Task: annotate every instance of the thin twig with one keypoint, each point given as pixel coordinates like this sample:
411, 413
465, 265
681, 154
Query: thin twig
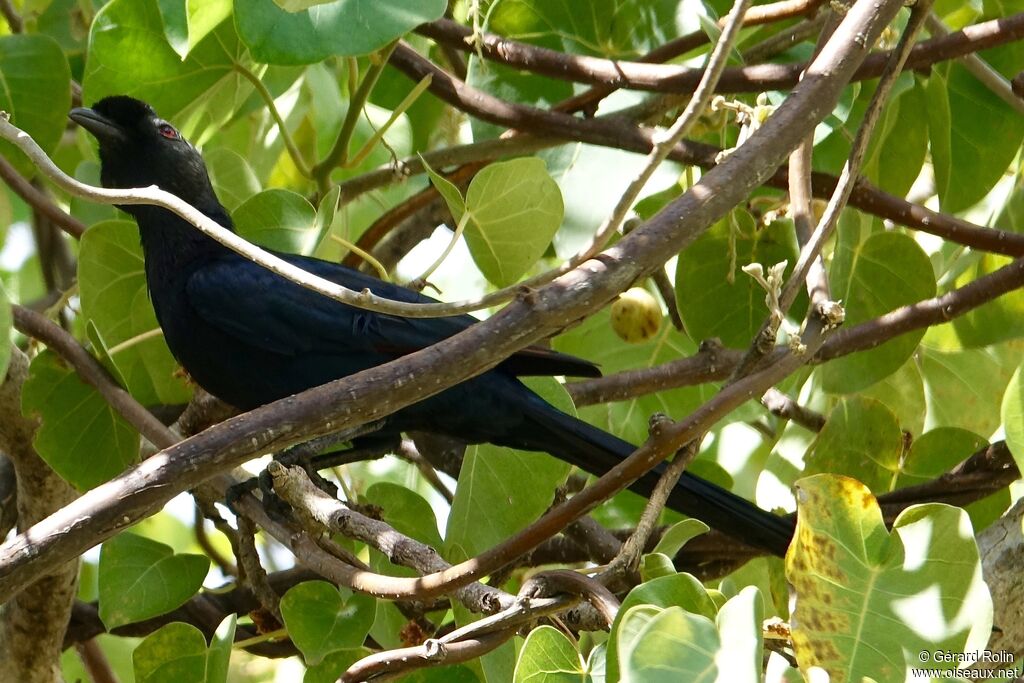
338, 153
714, 362
665, 141
809, 254
851, 169
11, 15
783, 406
33, 197
255, 574
625, 563
95, 662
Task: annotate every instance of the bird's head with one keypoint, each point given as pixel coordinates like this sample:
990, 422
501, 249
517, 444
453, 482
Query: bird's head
139, 149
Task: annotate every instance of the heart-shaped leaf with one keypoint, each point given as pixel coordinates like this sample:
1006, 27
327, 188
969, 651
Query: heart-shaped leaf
140, 578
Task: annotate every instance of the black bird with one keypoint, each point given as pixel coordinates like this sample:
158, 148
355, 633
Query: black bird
250, 337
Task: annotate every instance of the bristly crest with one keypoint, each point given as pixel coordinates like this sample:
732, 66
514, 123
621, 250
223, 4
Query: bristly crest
123, 109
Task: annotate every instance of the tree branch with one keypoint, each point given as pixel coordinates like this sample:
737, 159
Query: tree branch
714, 362
670, 78
36, 199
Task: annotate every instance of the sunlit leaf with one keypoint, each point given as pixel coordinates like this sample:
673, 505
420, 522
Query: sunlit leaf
916, 590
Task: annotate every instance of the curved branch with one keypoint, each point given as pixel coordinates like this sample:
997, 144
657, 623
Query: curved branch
612, 131
36, 199
678, 79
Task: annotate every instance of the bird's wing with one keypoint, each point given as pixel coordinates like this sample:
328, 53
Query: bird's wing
265, 310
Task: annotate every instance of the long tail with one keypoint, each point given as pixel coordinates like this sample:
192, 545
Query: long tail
596, 451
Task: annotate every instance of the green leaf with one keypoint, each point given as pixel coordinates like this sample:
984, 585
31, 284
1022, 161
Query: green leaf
609, 28
232, 177
717, 299
333, 665
343, 27
902, 392
900, 152
548, 656
940, 127
129, 55
84, 210
81, 437
673, 645
596, 664
936, 452
203, 17
320, 621
278, 219
917, 590
656, 565
219, 656
513, 85
997, 320
985, 132
35, 89
140, 578
175, 20
676, 645
679, 534
112, 283
964, 388
177, 652
514, 209
493, 473
889, 270
739, 623
405, 511
447, 189
325, 214
860, 439
299, 5
592, 179
677, 590
1012, 413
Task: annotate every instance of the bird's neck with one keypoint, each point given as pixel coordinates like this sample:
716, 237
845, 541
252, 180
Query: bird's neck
171, 245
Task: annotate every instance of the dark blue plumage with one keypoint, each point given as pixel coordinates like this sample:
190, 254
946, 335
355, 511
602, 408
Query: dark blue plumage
250, 337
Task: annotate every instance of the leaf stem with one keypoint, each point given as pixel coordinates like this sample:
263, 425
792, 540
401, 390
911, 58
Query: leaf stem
132, 341
289, 143
382, 272
339, 152
447, 250
399, 110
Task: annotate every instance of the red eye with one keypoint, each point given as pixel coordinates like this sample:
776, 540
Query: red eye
167, 130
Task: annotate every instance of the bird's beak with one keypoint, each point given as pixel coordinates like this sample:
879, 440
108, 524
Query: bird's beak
102, 128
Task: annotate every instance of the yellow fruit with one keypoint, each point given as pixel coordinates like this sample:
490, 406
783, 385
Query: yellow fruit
636, 316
